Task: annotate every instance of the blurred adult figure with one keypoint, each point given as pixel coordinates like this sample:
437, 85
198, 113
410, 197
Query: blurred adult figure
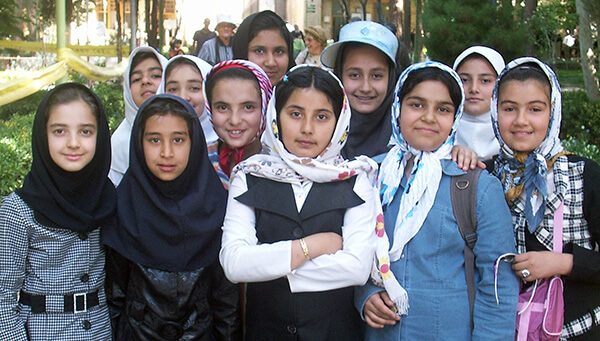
315, 41
201, 36
218, 49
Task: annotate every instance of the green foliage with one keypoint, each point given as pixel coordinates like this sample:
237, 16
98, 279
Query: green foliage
549, 23
9, 19
582, 147
580, 118
16, 121
454, 25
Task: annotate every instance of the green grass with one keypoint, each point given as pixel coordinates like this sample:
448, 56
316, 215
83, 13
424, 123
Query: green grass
569, 79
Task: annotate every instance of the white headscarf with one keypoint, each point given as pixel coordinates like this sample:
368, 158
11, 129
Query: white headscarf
280, 165
120, 138
204, 68
423, 182
533, 173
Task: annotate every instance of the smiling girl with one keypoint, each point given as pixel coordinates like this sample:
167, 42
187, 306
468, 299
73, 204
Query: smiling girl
300, 219
237, 93
52, 273
537, 175
421, 277
162, 268
140, 82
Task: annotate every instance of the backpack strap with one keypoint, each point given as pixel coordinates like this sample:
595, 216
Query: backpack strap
463, 193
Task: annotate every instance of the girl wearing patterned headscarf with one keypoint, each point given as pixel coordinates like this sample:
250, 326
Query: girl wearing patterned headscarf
421, 277
51, 260
237, 94
300, 219
537, 176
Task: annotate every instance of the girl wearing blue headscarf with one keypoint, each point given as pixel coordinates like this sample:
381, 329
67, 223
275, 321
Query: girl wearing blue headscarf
419, 289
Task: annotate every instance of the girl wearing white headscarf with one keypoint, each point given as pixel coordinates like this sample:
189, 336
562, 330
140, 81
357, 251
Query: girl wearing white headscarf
419, 289
537, 175
299, 229
145, 80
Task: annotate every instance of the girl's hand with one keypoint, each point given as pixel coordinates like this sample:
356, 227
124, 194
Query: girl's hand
466, 158
542, 264
377, 310
324, 243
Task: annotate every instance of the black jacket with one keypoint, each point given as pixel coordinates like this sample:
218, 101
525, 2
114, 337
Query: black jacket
151, 304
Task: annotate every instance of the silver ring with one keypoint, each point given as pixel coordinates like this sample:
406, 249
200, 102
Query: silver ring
526, 273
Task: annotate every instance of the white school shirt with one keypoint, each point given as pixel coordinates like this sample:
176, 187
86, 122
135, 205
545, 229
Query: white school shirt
477, 133
244, 260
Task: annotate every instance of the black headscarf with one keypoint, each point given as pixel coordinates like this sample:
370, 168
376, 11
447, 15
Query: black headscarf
80, 201
268, 18
369, 133
169, 225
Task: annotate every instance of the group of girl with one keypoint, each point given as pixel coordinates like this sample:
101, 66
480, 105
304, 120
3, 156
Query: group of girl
277, 188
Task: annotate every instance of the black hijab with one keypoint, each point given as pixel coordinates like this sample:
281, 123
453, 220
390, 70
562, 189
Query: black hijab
369, 133
254, 23
169, 225
79, 201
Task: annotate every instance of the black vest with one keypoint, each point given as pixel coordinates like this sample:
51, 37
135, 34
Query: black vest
272, 311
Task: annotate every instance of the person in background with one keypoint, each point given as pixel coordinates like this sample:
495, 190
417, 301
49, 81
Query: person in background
175, 48
298, 43
218, 49
201, 36
478, 68
263, 38
316, 41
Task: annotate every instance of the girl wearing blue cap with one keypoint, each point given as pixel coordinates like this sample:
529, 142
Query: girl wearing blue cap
419, 289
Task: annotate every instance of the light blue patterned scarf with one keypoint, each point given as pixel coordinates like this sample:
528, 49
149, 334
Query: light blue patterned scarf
532, 174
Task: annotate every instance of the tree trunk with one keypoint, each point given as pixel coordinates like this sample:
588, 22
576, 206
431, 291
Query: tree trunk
586, 51
119, 31
406, 23
417, 52
530, 7
380, 17
363, 6
153, 22
345, 10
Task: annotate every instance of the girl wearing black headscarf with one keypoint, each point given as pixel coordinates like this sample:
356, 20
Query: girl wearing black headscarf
162, 263
264, 39
51, 260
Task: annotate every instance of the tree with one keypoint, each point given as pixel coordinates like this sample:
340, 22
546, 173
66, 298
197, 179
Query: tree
550, 19
9, 19
363, 5
406, 23
586, 51
454, 25
530, 6
345, 10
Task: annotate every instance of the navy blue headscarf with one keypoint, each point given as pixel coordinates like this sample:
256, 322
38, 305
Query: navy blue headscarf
169, 225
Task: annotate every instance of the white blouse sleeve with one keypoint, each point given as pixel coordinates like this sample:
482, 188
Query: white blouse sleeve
351, 265
244, 260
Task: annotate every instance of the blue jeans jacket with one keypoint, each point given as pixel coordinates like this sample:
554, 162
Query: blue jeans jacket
432, 271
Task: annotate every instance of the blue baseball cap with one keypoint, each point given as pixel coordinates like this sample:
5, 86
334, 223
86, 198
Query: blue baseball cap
366, 32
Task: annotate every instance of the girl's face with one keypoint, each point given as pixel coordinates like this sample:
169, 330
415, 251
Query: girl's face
307, 122
313, 45
365, 75
166, 143
72, 132
185, 81
478, 78
270, 51
523, 114
236, 111
427, 115
145, 79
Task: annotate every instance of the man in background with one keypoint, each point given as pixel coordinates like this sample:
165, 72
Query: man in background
218, 49
201, 36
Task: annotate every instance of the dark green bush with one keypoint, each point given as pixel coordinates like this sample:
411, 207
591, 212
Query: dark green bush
580, 117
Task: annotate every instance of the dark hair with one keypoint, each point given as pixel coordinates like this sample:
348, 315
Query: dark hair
177, 62
268, 23
309, 77
347, 48
432, 74
163, 107
140, 57
473, 56
227, 73
525, 72
70, 93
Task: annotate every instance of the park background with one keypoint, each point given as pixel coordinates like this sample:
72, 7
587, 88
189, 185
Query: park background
45, 41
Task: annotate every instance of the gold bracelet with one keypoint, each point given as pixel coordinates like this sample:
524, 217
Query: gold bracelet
304, 249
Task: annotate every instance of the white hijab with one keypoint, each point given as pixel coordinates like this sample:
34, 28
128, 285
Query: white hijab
120, 138
209, 132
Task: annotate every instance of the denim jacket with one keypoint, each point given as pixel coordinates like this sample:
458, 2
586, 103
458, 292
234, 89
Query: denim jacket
432, 270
